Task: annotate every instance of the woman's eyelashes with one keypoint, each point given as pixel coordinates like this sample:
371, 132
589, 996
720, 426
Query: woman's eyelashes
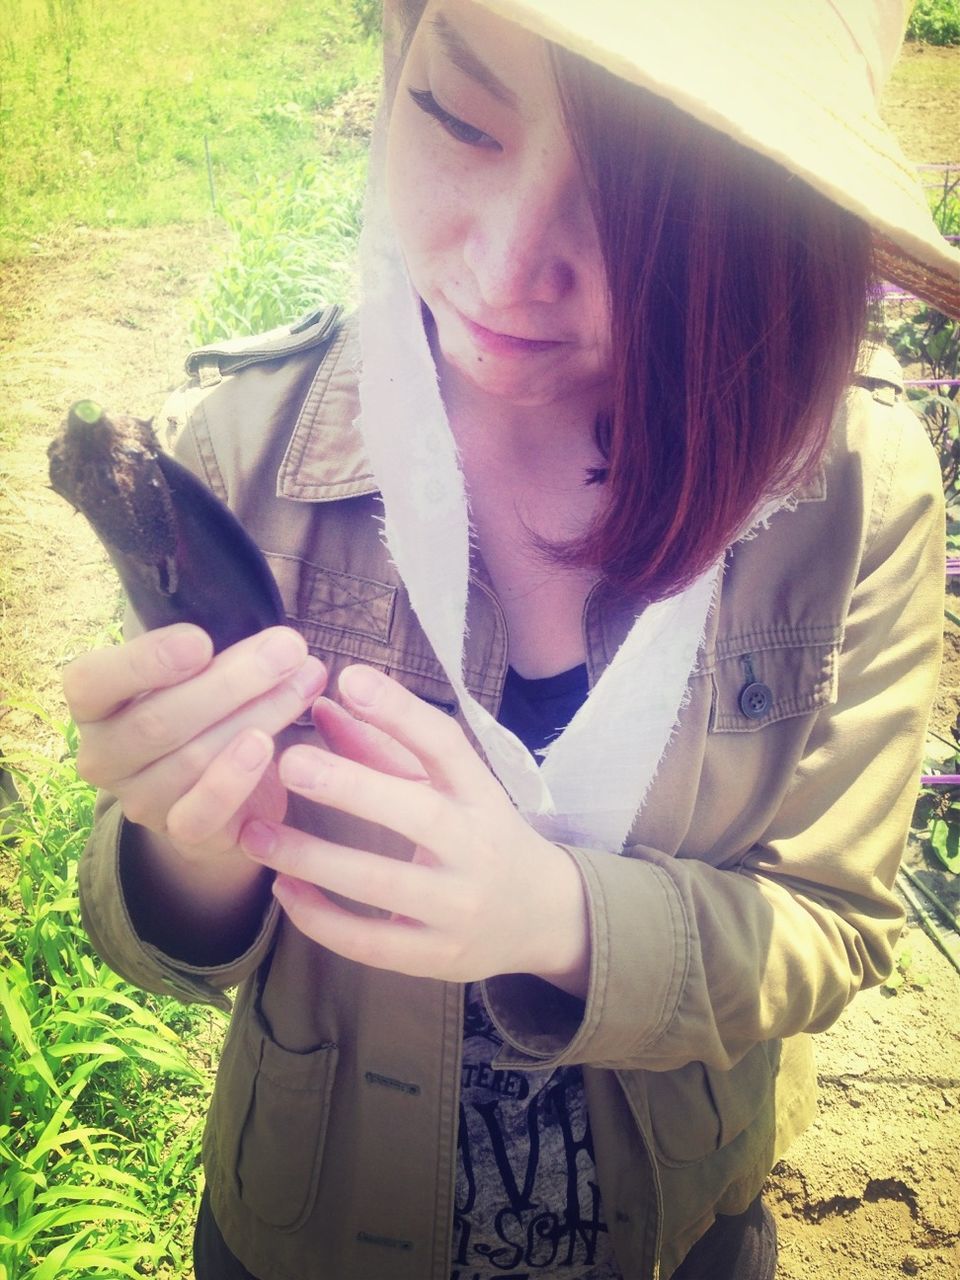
457, 128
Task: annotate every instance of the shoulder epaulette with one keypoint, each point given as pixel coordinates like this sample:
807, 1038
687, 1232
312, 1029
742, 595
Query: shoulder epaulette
209, 364
878, 370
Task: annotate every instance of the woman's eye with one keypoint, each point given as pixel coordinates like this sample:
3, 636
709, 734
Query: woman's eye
457, 128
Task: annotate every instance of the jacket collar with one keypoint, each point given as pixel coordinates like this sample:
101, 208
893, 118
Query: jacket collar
325, 459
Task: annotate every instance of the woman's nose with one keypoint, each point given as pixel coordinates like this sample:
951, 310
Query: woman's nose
520, 247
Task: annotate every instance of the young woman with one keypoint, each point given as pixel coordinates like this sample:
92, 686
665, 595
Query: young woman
523, 973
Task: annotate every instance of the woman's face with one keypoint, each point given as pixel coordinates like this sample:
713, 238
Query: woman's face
492, 213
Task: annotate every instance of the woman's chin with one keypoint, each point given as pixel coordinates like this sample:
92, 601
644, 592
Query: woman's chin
525, 379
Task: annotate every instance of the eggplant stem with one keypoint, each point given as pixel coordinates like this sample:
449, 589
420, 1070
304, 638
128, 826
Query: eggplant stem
87, 411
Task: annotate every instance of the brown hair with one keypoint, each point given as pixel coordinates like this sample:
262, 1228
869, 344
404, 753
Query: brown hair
738, 299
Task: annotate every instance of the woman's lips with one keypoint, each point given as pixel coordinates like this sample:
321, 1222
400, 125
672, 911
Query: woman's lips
506, 343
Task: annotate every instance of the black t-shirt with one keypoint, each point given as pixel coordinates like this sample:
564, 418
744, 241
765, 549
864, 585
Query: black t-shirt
538, 710
527, 1198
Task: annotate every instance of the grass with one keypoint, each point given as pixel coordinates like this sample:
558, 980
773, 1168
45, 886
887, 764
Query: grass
104, 1087
293, 247
108, 108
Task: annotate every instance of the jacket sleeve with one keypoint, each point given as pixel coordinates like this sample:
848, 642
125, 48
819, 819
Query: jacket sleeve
103, 906
298, 351
115, 938
697, 962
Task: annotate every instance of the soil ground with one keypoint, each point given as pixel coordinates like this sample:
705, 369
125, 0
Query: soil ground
919, 103
871, 1191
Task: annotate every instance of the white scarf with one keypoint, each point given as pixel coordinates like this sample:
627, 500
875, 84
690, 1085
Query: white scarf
596, 774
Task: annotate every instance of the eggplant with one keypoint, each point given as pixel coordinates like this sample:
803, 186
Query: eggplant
182, 556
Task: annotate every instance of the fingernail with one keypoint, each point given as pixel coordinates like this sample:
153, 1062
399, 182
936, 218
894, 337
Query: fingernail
281, 652
362, 685
283, 890
250, 751
311, 677
184, 650
257, 839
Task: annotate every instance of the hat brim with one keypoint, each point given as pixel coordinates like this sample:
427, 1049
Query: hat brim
784, 80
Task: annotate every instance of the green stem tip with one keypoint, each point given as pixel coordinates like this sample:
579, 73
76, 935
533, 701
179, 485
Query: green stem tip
87, 411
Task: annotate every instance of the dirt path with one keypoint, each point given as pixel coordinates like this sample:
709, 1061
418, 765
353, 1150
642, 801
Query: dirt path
919, 103
870, 1191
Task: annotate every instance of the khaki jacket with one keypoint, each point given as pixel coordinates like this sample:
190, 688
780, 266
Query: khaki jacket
753, 899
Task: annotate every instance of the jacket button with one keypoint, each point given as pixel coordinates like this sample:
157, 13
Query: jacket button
755, 700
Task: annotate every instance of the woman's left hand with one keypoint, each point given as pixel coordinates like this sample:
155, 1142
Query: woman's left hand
484, 894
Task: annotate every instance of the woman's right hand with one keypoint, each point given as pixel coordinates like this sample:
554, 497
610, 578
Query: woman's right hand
184, 739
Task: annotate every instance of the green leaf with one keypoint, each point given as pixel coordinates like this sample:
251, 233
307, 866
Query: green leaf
18, 1017
97, 1195
38, 1064
102, 1049
99, 1258
945, 843
64, 1216
57, 1141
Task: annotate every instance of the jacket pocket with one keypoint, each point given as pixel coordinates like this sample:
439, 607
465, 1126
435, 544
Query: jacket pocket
697, 1109
760, 679
269, 1122
345, 612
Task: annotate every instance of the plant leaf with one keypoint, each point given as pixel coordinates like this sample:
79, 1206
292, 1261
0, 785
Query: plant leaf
945, 843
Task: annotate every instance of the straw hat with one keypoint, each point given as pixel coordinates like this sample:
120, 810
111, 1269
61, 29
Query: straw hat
797, 80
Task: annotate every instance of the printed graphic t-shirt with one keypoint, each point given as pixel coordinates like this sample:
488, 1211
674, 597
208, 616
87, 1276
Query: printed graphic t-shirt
527, 1200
